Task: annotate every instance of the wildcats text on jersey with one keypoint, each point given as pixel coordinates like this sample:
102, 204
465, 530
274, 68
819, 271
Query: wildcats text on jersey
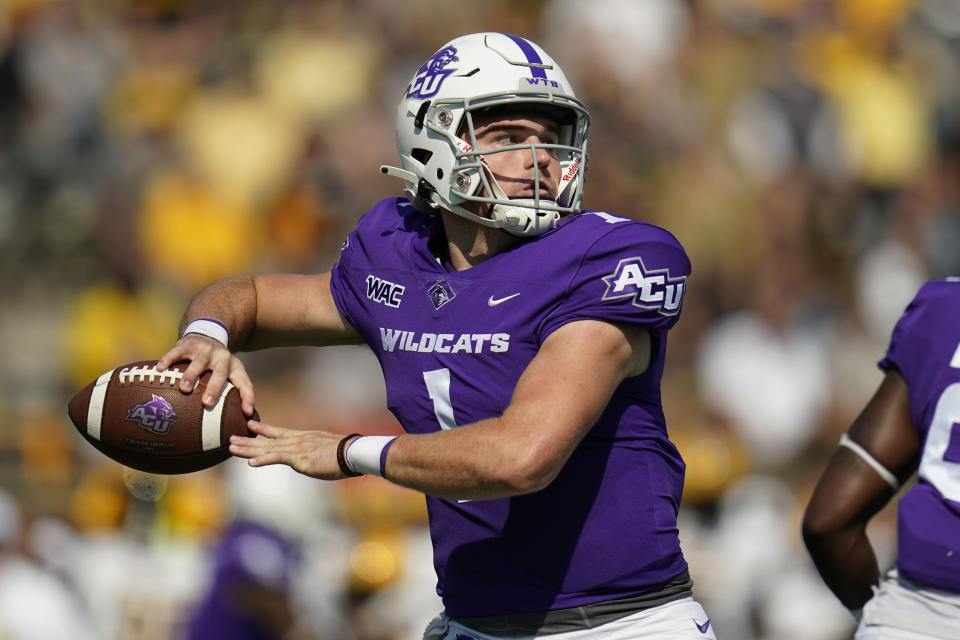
399, 340
649, 289
384, 291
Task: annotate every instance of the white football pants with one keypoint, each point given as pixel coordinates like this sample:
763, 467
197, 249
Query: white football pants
682, 619
904, 610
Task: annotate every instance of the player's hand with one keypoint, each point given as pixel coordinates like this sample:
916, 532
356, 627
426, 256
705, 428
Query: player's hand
206, 354
312, 453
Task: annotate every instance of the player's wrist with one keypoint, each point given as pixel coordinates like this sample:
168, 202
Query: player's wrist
368, 454
345, 468
210, 328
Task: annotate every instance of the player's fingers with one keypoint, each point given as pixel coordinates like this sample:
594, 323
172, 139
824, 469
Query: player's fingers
193, 372
264, 460
219, 367
268, 430
262, 451
240, 379
167, 359
214, 387
246, 447
201, 352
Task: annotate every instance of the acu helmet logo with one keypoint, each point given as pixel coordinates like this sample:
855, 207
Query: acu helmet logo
156, 416
432, 74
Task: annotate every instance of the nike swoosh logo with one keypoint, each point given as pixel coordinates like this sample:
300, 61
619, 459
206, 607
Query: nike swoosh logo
492, 302
702, 628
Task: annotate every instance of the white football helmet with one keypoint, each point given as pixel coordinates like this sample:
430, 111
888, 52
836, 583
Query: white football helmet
473, 73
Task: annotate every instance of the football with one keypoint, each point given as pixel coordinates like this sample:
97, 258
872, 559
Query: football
139, 417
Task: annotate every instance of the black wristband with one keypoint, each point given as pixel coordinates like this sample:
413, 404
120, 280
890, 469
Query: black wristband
342, 456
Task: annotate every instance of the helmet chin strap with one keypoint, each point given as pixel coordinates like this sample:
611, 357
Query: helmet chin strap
573, 169
526, 217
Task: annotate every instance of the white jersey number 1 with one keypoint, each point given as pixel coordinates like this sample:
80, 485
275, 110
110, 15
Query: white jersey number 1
438, 386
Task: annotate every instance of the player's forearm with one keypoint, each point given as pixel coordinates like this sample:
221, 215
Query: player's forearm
476, 462
230, 301
846, 562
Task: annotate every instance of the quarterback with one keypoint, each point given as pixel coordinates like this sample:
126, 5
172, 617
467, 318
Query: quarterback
522, 341
912, 423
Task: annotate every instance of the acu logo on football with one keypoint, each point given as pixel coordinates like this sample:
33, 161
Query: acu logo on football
649, 289
156, 416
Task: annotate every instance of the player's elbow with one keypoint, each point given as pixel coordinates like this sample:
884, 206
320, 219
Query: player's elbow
818, 529
527, 470
812, 536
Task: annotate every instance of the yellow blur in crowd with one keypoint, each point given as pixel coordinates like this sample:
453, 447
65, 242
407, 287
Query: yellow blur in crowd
246, 137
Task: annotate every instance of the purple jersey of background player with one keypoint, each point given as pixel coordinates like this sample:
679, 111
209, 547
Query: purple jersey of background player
452, 345
925, 349
252, 563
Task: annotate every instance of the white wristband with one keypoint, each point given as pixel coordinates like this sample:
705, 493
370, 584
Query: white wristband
210, 328
369, 453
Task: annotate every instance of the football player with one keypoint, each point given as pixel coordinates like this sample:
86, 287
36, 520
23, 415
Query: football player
912, 423
522, 342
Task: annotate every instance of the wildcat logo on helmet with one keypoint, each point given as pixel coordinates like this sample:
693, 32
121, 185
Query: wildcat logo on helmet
432, 74
156, 416
654, 290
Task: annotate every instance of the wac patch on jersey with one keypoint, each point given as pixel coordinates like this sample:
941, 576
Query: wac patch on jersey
384, 291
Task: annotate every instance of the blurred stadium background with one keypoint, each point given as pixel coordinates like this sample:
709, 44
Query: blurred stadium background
804, 151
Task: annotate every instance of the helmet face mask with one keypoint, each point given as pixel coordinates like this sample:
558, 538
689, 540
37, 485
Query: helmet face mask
488, 73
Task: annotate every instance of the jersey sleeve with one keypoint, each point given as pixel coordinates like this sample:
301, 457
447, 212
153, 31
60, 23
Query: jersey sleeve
344, 295
902, 351
379, 243
633, 274
366, 240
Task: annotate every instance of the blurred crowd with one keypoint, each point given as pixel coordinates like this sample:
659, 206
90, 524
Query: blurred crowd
805, 152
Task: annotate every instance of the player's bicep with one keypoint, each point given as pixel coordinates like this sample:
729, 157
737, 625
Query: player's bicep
853, 488
298, 310
885, 428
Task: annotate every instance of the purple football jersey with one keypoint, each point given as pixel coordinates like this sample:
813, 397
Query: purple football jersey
248, 554
925, 349
452, 345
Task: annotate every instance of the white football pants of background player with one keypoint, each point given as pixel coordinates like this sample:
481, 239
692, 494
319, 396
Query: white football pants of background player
683, 619
904, 610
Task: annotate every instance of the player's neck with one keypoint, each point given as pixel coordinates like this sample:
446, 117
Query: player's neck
470, 243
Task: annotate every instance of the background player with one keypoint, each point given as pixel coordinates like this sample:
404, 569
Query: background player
910, 424
522, 344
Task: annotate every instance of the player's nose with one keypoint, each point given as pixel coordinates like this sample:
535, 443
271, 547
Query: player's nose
537, 155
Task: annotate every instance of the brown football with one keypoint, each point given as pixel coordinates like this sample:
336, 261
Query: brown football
138, 416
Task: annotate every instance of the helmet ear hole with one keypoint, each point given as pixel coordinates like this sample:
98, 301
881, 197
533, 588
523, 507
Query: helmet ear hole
421, 155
